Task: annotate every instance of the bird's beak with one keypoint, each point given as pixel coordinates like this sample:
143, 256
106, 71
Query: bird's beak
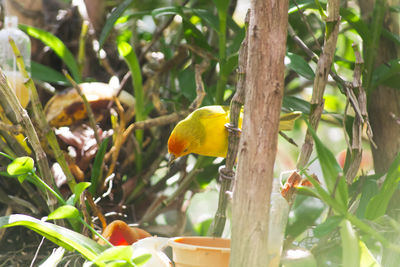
171, 159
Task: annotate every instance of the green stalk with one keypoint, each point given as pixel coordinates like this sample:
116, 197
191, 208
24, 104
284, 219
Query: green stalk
223, 76
41, 118
128, 52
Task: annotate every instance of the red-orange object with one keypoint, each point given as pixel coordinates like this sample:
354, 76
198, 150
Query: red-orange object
120, 234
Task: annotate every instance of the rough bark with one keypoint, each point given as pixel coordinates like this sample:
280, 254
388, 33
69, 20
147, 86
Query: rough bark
384, 102
257, 150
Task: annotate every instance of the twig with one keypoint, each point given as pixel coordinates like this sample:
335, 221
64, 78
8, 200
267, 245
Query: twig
44, 126
20, 116
14, 129
226, 173
89, 110
321, 77
187, 181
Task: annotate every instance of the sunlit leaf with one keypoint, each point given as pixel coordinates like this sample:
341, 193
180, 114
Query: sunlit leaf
21, 165
61, 236
57, 46
79, 188
64, 212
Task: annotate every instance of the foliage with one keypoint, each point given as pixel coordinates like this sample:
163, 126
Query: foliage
157, 45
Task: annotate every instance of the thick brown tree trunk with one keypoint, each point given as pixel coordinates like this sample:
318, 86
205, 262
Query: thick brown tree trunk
264, 92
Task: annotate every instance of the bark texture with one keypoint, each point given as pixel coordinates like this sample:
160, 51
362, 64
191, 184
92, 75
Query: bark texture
257, 150
384, 102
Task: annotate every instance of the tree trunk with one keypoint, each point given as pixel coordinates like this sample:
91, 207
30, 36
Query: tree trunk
384, 102
265, 82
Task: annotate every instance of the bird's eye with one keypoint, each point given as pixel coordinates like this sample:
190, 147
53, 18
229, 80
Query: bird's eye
185, 150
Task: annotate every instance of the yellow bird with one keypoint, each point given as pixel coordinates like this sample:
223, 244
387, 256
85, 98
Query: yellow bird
203, 132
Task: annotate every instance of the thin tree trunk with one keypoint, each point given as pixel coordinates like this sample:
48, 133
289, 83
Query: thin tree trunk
265, 81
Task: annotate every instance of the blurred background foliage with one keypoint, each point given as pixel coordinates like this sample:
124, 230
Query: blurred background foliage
149, 50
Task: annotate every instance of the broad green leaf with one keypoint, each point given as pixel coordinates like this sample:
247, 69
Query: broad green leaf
187, 83
304, 213
369, 190
378, 204
350, 245
97, 169
79, 188
64, 212
43, 73
327, 226
208, 18
21, 165
299, 65
115, 14
366, 257
57, 46
230, 64
194, 36
292, 103
330, 167
387, 72
357, 23
61, 236
391, 36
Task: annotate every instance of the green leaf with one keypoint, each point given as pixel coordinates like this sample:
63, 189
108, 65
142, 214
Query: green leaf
21, 165
378, 204
366, 257
207, 17
299, 65
57, 46
142, 259
97, 169
222, 5
202, 227
117, 253
357, 23
78, 190
64, 212
388, 72
194, 35
304, 213
61, 236
292, 103
368, 191
115, 14
165, 11
43, 73
327, 226
330, 167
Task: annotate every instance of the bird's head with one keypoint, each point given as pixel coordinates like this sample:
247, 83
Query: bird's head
183, 139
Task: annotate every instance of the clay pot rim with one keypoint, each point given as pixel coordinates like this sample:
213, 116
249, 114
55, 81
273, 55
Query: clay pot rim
172, 243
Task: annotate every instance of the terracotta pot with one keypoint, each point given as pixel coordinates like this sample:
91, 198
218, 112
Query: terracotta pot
196, 251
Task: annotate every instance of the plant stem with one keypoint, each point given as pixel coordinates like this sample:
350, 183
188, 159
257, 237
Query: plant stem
223, 76
41, 119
